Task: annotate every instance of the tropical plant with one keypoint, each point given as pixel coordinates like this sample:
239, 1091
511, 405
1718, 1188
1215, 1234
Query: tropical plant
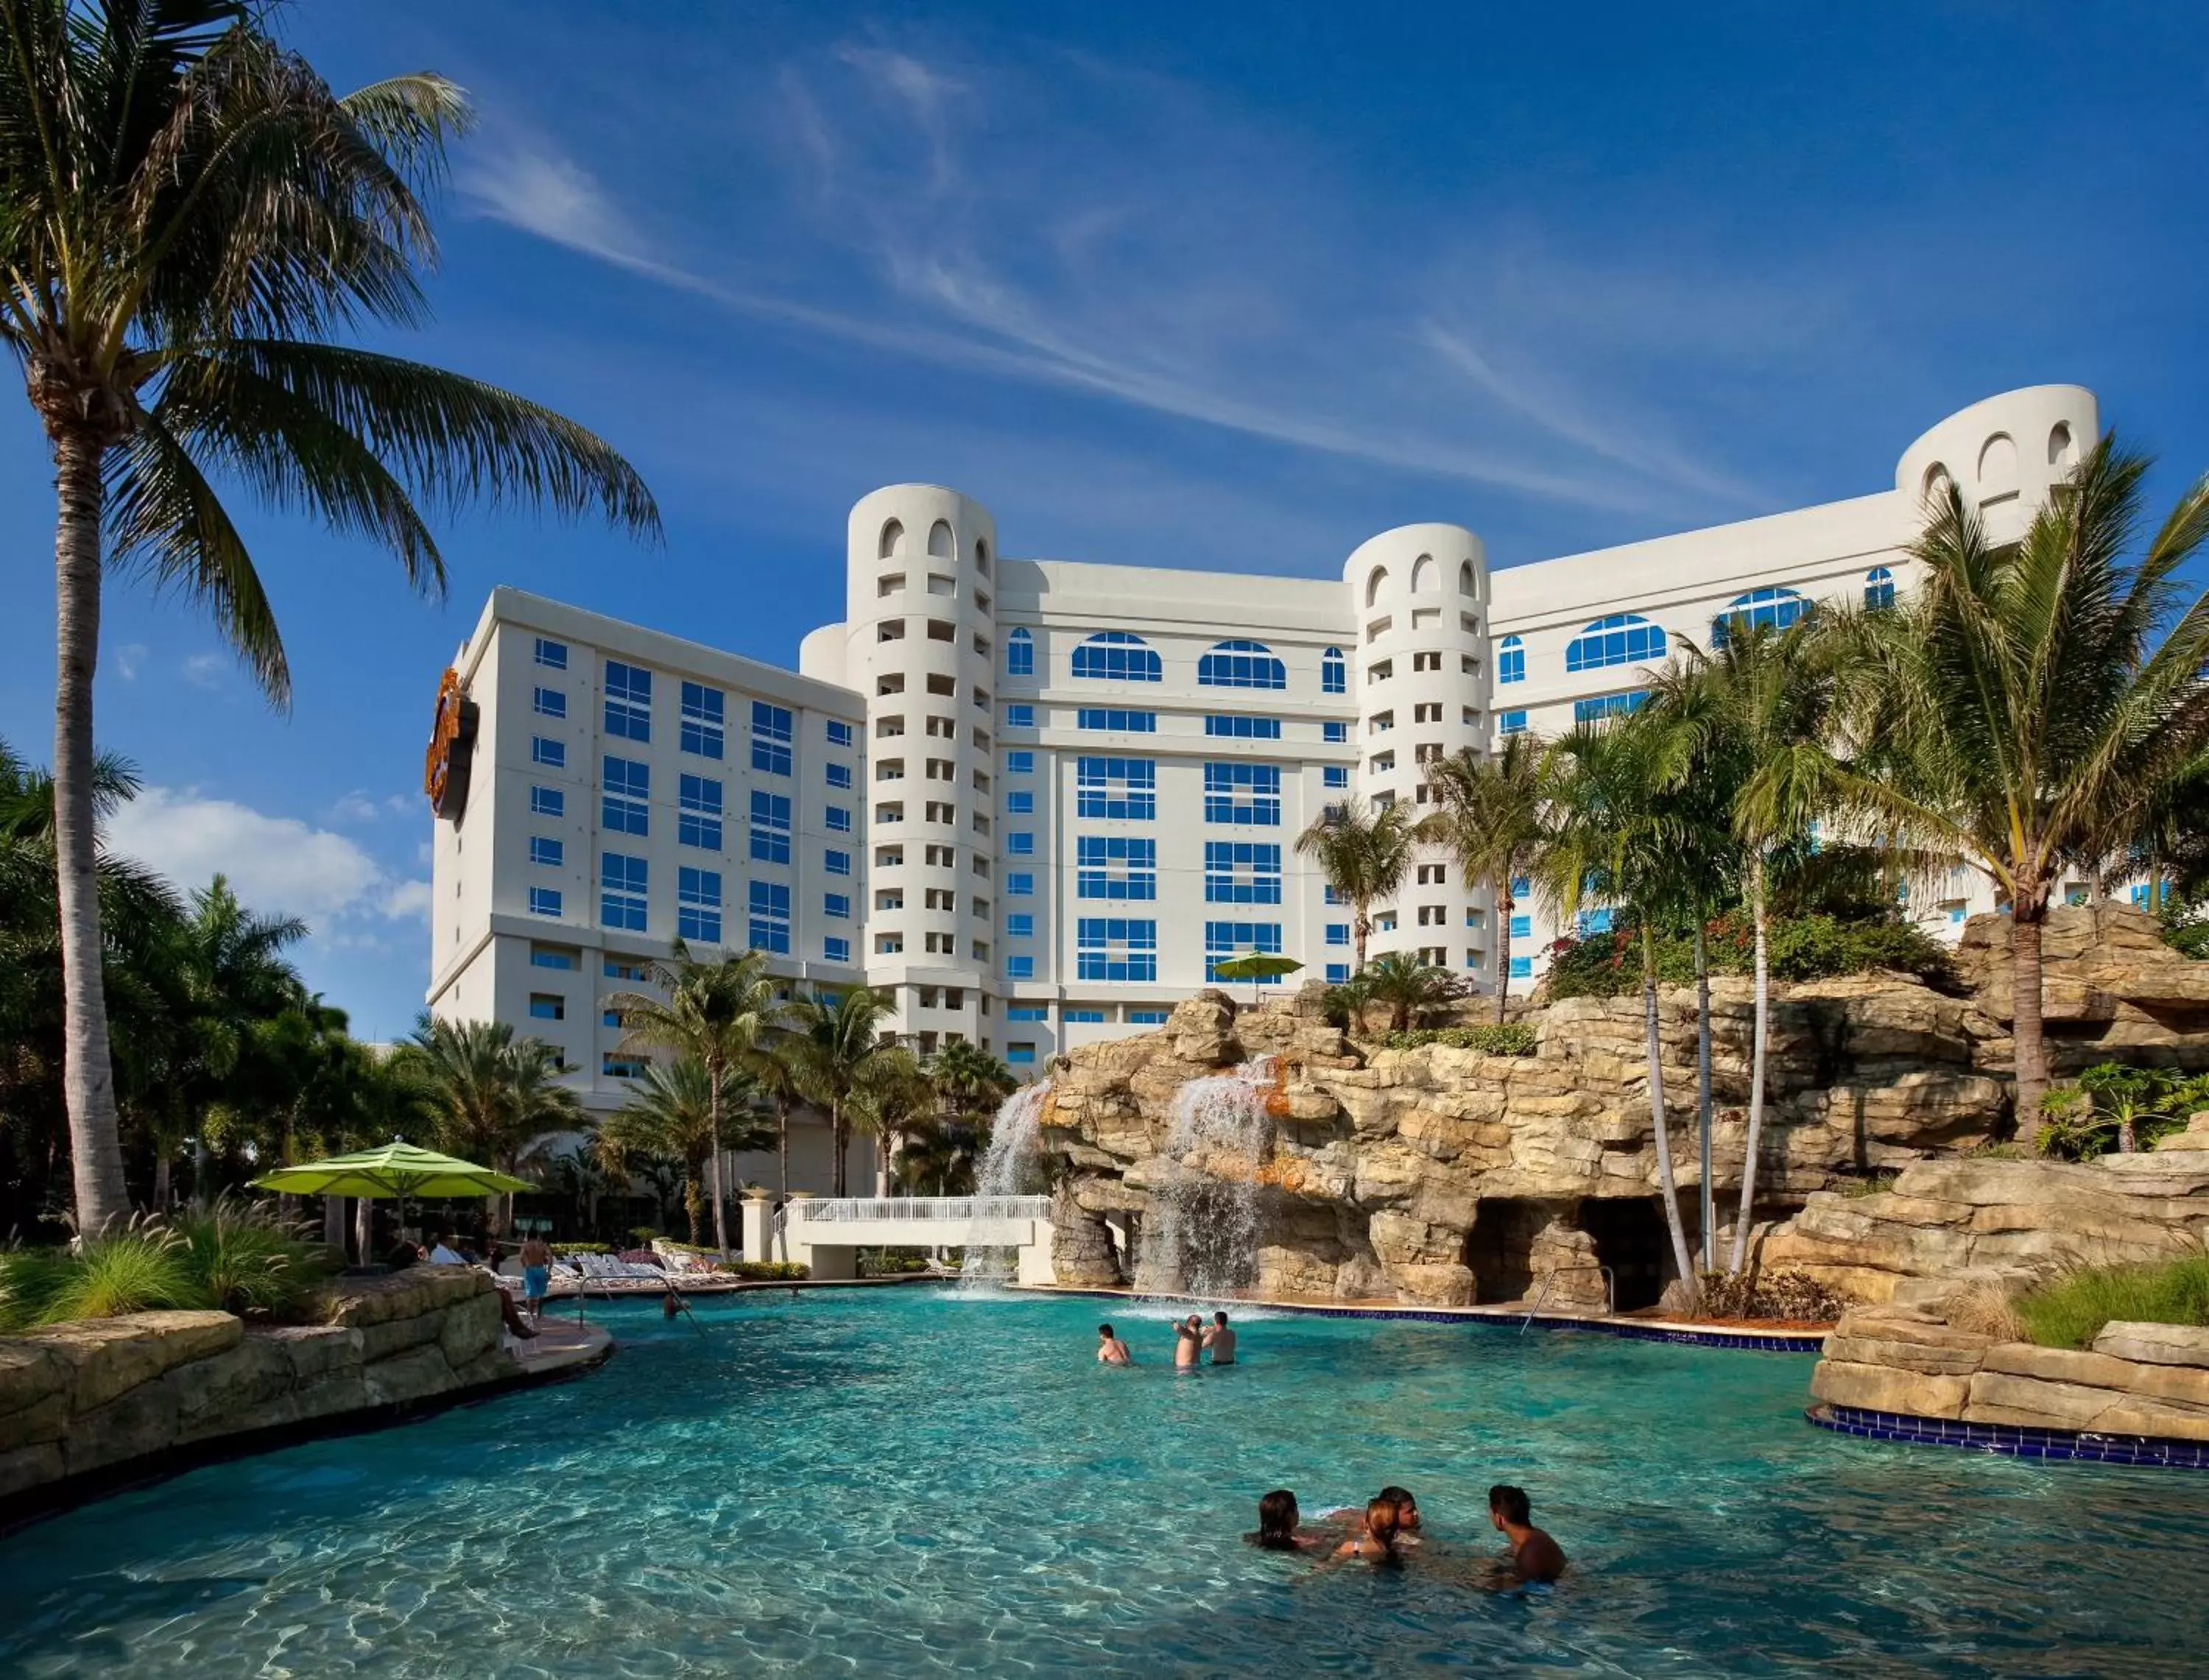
1365, 853
2031, 706
890, 1093
1410, 989
832, 1037
188, 217
675, 1112
2117, 1105
967, 1079
1492, 815
496, 1097
2070, 1311
1510, 1038
245, 1257
717, 1013
578, 1175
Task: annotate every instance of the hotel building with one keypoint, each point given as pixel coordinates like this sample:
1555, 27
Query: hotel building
1036, 801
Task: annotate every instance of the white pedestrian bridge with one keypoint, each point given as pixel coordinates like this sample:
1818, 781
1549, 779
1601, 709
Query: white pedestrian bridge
826, 1233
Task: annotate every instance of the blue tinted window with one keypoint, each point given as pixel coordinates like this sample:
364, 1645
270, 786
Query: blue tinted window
1335, 776
1227, 939
1236, 726
772, 733
1522, 927
839, 819
1124, 788
1020, 924
622, 887
1335, 732
838, 904
1020, 1055
839, 776
1020, 717
1241, 665
1774, 608
1624, 638
1020, 884
1020, 654
1020, 804
1247, 795
1879, 589
1021, 968
1242, 872
1148, 1017
1115, 718
1020, 845
1511, 723
1337, 933
1338, 973
1021, 764
549, 703
629, 700
1330, 894
835, 862
1083, 1017
1521, 885
1511, 660
547, 802
770, 826
1333, 672
839, 733
1115, 656
542, 956
704, 717
833, 949
626, 808
1591, 921
698, 820
549, 852
552, 655
553, 755
1027, 1012
770, 916
1522, 968
1604, 706
698, 904
1114, 866
544, 1006
545, 901
1111, 948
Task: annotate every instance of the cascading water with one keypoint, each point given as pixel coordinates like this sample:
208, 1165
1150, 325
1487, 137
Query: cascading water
1011, 1165
1201, 1234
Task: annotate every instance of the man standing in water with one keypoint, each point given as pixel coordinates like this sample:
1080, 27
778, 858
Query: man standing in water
1189, 1342
1220, 1340
1110, 1349
1534, 1555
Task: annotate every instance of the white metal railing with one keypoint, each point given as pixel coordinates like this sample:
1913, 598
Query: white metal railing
947, 1209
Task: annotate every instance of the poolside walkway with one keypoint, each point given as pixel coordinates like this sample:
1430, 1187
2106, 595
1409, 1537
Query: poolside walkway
561, 1345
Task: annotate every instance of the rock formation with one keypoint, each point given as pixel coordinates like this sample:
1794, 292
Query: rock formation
1450, 1176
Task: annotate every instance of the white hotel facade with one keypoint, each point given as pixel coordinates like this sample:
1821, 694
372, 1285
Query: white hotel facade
1034, 800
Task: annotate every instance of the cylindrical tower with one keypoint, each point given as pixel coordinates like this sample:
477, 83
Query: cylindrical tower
921, 644
2004, 453
1420, 597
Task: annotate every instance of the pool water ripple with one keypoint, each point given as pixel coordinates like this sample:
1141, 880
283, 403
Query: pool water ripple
906, 1482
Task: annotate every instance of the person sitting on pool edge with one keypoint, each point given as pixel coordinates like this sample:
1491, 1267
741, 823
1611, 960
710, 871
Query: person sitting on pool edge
1220, 1340
1377, 1544
1110, 1349
1534, 1555
1277, 1518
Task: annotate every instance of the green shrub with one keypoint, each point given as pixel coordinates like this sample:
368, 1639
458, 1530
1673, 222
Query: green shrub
1877, 1184
135, 1270
2083, 1122
1802, 947
243, 1258
1507, 1039
765, 1271
582, 1248
2071, 1310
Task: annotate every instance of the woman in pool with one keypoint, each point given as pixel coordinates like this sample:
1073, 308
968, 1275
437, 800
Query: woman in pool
1407, 1514
1377, 1544
1277, 1517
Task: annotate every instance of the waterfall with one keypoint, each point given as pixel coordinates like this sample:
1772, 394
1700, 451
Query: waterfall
1201, 1234
1011, 1165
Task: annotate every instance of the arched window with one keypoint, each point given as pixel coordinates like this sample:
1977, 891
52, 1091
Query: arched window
2060, 455
1879, 589
893, 544
1241, 665
1936, 484
940, 545
1020, 654
1117, 657
1374, 579
1465, 579
1426, 576
982, 556
1333, 672
1998, 467
1624, 638
1511, 660
1774, 608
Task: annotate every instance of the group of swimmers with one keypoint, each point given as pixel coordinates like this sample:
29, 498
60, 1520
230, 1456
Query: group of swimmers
1391, 1527
1192, 1339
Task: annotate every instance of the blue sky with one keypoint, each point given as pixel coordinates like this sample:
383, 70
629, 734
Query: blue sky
1229, 285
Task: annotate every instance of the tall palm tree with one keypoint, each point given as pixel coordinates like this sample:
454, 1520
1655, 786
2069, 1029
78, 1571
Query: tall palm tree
833, 1036
495, 1095
968, 1077
1364, 852
1491, 816
890, 1092
772, 1064
677, 1109
716, 1013
1615, 841
188, 217
2028, 708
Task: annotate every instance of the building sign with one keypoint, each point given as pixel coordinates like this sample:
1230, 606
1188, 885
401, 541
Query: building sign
452, 749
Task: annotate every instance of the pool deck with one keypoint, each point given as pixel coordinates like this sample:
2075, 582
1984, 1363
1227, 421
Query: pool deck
1775, 1340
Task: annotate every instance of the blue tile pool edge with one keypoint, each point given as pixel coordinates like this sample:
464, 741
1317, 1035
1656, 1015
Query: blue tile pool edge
1800, 1341
2012, 1439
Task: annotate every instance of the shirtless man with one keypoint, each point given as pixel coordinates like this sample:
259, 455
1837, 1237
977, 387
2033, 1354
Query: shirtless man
1534, 1555
1189, 1342
1220, 1340
536, 1273
1110, 1349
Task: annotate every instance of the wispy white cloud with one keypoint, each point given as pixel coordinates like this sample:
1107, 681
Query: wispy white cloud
205, 671
127, 660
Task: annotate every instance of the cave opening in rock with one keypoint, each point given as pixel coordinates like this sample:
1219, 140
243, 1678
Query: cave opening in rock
1630, 1239
1499, 1248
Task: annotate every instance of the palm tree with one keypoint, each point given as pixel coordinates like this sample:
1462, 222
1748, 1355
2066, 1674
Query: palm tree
189, 216
890, 1092
1749, 724
968, 1077
772, 1062
1615, 841
677, 1109
1411, 989
717, 1013
2029, 707
1364, 852
495, 1095
833, 1035
1491, 816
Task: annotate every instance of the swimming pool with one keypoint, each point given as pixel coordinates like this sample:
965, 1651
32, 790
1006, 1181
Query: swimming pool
910, 1482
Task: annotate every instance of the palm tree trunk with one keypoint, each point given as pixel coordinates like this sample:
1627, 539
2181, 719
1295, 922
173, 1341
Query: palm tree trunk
1708, 1206
160, 1175
334, 1223
364, 1229
1762, 1033
882, 1162
837, 1144
714, 1161
1361, 925
2031, 1050
1505, 903
782, 1144
88, 1072
1667, 1184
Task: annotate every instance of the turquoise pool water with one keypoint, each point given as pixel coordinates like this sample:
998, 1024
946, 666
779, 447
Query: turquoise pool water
909, 1482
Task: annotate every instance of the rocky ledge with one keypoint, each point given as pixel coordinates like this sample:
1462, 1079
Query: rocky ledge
2149, 1380
84, 1397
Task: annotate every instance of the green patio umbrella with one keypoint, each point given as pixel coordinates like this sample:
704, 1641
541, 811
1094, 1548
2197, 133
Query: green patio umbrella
1254, 965
393, 1169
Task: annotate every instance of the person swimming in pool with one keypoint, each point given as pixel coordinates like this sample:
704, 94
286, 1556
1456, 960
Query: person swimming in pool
1220, 1340
1110, 1349
1377, 1543
1534, 1556
1189, 1342
1277, 1518
1407, 1514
